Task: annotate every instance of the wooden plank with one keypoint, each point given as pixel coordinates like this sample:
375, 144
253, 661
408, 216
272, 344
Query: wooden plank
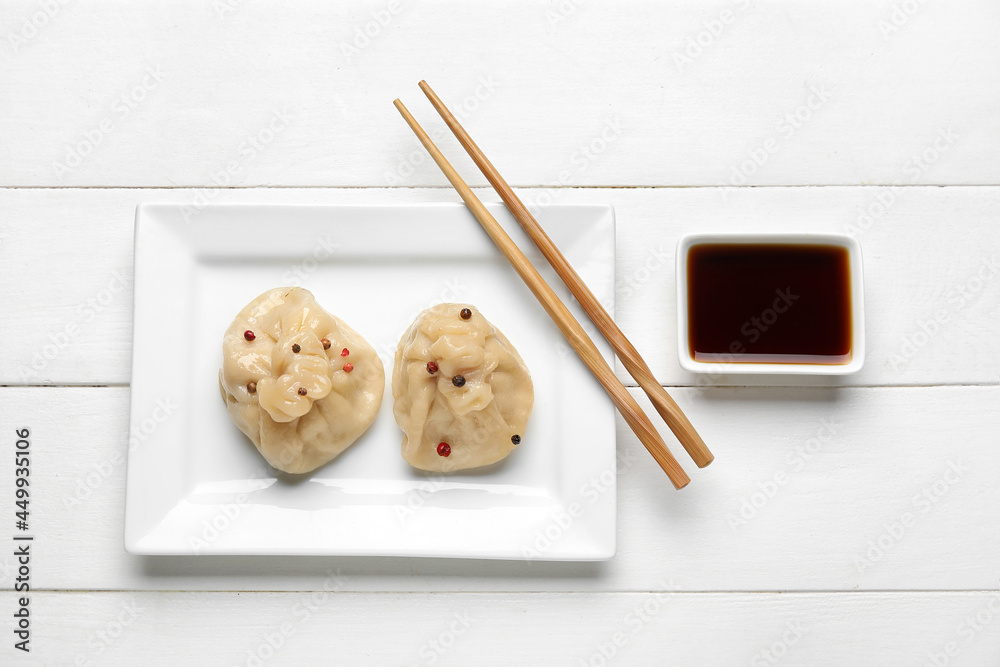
728, 92
162, 628
813, 489
932, 279
932, 296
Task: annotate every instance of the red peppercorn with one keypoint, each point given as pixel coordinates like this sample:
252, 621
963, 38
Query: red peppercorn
444, 449
249, 335
302, 391
296, 348
466, 313
432, 367
348, 367
345, 352
326, 343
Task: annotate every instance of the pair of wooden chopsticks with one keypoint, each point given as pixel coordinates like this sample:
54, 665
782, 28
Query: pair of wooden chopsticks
557, 310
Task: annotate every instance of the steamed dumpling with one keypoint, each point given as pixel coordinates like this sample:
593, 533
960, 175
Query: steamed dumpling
300, 383
461, 392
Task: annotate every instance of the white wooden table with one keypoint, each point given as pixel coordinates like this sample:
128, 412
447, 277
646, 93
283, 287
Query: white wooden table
844, 522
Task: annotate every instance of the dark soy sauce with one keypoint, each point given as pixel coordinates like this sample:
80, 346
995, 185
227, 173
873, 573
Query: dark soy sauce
769, 303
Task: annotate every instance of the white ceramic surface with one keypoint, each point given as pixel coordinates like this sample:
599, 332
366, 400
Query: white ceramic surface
688, 362
196, 485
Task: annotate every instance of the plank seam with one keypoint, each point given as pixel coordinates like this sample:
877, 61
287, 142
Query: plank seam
116, 385
962, 591
486, 187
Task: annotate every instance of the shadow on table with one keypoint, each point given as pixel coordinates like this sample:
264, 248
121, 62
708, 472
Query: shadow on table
357, 569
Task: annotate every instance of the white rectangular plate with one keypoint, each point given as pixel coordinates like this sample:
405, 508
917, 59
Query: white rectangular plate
196, 485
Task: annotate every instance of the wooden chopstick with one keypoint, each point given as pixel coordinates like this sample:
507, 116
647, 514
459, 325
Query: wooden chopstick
559, 313
633, 362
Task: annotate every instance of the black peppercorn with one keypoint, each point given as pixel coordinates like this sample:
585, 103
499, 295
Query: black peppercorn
458, 381
296, 348
466, 313
516, 439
